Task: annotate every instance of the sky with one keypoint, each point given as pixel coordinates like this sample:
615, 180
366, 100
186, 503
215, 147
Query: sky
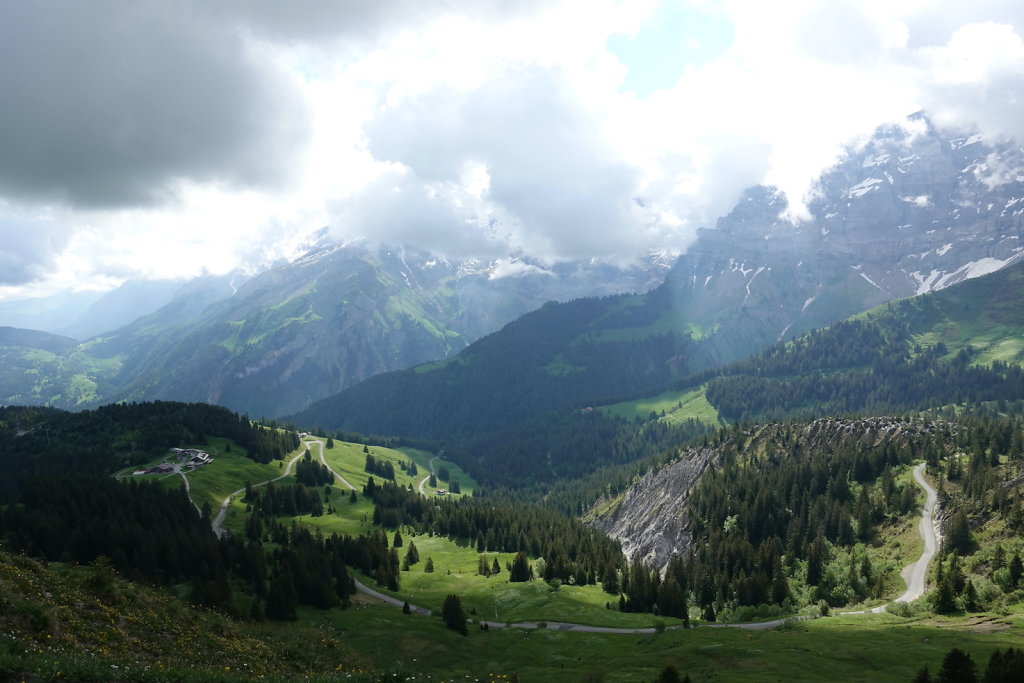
155, 139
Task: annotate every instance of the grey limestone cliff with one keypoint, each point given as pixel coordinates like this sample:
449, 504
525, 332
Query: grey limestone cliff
650, 519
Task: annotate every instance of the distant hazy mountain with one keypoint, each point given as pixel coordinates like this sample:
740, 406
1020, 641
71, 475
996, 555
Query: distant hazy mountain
121, 306
44, 341
302, 331
48, 313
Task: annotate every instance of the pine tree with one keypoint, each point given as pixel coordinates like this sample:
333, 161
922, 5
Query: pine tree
1016, 568
610, 579
942, 597
958, 536
453, 614
669, 674
999, 558
957, 667
671, 599
970, 597
282, 598
412, 555
520, 571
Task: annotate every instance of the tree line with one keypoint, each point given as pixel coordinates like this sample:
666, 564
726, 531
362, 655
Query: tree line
573, 552
37, 441
793, 505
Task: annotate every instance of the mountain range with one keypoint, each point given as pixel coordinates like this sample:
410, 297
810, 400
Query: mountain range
275, 342
912, 209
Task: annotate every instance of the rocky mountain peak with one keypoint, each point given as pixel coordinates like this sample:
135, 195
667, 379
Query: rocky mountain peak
913, 209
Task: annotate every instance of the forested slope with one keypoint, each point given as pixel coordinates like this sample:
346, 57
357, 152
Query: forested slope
962, 344
789, 514
557, 356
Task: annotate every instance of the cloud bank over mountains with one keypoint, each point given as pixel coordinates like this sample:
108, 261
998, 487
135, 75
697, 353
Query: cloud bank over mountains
157, 138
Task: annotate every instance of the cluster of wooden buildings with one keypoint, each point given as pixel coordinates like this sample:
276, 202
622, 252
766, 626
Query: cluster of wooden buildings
189, 458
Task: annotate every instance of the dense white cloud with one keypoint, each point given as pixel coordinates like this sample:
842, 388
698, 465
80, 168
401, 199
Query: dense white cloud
155, 138
978, 79
563, 190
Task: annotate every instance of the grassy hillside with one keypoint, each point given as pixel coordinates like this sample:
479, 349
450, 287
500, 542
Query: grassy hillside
456, 561
983, 316
71, 623
86, 624
89, 625
670, 406
962, 344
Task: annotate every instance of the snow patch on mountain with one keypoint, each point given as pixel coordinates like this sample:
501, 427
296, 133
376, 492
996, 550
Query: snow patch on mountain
863, 187
876, 160
963, 142
926, 283
739, 267
750, 282
870, 281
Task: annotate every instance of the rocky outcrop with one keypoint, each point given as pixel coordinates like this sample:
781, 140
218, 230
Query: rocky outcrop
650, 519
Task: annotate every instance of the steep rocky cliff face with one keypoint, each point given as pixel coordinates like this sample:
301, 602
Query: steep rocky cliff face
650, 520
912, 210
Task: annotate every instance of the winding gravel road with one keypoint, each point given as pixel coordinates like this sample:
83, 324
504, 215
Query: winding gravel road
323, 460
218, 521
430, 464
914, 574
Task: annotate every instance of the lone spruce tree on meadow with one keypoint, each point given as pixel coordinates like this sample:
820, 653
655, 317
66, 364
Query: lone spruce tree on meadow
453, 614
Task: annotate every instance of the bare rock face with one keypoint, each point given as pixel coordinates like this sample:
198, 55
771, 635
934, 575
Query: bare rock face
651, 519
912, 210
